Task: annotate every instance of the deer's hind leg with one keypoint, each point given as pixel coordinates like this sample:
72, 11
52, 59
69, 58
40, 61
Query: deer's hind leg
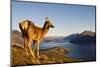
25, 45
34, 48
30, 48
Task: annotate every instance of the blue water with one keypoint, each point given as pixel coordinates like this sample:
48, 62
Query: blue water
85, 52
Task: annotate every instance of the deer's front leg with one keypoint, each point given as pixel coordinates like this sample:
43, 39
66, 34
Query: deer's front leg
38, 55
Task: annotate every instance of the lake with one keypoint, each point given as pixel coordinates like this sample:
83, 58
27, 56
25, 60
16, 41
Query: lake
85, 52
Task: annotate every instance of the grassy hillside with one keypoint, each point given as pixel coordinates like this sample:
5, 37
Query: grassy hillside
49, 56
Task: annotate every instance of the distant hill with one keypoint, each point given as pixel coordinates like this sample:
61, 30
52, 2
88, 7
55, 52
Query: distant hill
85, 37
70, 37
52, 38
16, 37
89, 33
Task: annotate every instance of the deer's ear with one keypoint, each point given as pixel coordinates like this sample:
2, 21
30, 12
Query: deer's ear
46, 18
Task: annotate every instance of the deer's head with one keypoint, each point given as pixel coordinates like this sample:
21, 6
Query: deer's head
48, 24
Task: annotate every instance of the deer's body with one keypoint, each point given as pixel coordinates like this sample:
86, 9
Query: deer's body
33, 33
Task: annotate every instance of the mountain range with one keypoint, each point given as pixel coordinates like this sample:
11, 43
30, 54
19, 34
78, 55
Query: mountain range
83, 37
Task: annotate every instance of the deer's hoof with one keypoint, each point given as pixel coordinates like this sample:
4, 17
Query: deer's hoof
33, 56
39, 57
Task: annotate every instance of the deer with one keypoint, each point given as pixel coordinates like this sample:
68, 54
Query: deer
34, 34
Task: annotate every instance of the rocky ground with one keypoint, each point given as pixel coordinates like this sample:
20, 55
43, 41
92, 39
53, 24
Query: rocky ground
48, 56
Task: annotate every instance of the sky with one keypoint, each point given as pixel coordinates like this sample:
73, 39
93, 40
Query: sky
66, 18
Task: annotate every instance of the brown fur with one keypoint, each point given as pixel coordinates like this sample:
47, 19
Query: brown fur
33, 33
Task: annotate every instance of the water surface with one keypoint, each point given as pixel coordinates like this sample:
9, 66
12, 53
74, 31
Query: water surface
85, 52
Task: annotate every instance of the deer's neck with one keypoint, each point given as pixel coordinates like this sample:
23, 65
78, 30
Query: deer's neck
45, 29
